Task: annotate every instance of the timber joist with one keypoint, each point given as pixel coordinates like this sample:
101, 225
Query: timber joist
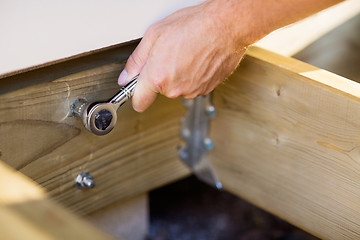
286, 138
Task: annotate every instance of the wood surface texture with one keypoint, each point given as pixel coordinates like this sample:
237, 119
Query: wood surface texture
127, 219
287, 138
26, 213
39, 138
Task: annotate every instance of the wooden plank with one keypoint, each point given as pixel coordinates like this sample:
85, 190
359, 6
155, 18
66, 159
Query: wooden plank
287, 139
127, 219
26, 213
40, 138
291, 39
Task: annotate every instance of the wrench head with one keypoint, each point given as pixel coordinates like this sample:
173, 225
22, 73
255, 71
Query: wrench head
100, 118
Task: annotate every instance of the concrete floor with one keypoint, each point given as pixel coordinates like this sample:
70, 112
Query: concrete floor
190, 210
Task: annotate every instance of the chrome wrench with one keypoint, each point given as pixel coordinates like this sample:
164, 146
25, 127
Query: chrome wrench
100, 118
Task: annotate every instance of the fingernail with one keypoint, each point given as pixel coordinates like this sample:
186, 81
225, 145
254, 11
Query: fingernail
122, 78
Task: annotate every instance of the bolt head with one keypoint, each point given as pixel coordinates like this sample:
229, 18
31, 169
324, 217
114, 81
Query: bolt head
183, 154
211, 111
208, 144
84, 180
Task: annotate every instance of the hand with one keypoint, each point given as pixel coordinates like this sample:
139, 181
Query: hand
186, 54
193, 50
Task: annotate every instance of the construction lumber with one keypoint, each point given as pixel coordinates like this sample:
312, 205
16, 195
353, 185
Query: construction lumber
287, 139
40, 138
127, 219
26, 212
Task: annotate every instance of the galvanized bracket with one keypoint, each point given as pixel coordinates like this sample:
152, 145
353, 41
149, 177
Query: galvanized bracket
194, 130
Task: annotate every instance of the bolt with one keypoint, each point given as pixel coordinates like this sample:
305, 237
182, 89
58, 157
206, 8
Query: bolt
183, 154
208, 144
185, 133
78, 107
84, 180
211, 111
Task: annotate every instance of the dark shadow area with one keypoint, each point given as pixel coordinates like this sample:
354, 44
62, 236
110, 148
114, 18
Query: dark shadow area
192, 210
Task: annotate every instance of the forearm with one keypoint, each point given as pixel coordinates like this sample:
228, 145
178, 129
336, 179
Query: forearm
251, 20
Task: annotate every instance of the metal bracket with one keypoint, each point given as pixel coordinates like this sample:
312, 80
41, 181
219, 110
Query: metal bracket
194, 130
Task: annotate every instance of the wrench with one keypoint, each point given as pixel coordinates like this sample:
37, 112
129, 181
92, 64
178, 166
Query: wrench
100, 118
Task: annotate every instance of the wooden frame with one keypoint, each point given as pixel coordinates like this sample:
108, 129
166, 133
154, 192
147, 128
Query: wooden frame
26, 212
286, 139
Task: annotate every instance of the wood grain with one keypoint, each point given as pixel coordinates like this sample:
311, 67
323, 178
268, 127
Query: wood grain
40, 138
287, 138
26, 213
126, 219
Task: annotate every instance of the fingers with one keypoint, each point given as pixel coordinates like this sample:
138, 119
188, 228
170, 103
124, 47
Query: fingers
144, 95
137, 59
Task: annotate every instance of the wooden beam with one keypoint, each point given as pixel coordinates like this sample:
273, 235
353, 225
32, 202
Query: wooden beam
127, 219
40, 138
26, 213
287, 139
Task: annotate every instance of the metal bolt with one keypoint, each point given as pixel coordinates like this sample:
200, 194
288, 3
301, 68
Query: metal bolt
185, 133
78, 107
84, 180
208, 144
211, 111
218, 185
183, 154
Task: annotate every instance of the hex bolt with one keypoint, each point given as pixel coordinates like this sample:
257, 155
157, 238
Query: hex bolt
208, 144
211, 111
84, 181
183, 154
78, 107
185, 133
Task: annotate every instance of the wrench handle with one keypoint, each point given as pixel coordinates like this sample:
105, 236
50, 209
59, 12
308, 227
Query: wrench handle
125, 92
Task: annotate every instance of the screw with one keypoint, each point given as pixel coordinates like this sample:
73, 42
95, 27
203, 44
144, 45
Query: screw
84, 180
218, 185
211, 111
208, 144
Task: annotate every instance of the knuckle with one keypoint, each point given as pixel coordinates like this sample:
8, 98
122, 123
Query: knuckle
159, 80
152, 31
208, 91
158, 83
174, 93
134, 60
191, 96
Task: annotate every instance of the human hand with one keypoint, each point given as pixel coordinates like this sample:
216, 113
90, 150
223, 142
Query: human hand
193, 50
186, 54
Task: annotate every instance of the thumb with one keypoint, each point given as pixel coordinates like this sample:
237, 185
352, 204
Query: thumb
135, 62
